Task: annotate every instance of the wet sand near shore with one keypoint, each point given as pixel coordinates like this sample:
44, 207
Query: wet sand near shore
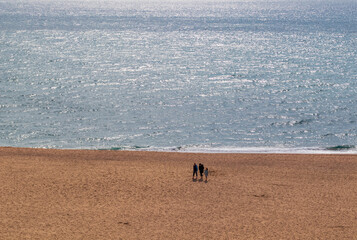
95, 194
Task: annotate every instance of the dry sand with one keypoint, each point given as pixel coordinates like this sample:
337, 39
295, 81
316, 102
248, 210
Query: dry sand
77, 194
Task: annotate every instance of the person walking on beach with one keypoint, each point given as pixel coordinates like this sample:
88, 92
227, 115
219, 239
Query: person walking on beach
201, 168
206, 173
195, 169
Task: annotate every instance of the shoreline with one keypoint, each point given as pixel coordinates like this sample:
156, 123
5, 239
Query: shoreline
338, 150
107, 194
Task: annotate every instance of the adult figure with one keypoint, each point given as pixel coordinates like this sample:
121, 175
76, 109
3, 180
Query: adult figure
201, 168
195, 169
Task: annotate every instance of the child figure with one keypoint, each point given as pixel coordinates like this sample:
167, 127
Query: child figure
206, 173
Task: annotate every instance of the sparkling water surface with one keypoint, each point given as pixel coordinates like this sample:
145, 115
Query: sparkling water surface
237, 76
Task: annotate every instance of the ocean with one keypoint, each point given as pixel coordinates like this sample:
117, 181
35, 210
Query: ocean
191, 76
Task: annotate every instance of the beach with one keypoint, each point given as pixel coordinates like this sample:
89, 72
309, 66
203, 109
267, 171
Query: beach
102, 194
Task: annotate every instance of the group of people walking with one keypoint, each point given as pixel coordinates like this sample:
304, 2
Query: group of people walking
200, 168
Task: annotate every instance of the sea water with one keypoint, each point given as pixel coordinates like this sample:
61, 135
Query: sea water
207, 76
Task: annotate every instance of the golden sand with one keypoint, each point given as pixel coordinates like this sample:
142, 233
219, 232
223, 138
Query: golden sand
85, 194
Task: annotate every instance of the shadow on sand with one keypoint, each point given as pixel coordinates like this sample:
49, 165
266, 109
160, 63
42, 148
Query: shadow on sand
199, 180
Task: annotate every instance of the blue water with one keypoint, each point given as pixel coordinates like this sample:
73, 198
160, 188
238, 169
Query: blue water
206, 76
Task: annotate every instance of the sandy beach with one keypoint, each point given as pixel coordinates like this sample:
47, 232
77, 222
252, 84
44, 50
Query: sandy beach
95, 194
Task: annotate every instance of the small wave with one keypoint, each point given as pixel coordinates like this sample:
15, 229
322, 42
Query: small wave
292, 123
341, 148
127, 148
303, 121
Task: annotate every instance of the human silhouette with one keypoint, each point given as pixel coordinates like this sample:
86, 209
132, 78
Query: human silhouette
195, 169
201, 167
